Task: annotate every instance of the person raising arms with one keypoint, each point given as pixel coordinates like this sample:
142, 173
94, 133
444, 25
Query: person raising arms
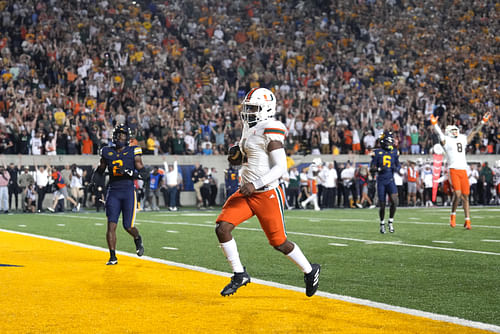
455, 144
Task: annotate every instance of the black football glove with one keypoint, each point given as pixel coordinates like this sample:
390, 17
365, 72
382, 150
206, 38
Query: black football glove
235, 156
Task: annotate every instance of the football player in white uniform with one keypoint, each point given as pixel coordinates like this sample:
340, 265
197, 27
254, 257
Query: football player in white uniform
455, 145
263, 159
496, 178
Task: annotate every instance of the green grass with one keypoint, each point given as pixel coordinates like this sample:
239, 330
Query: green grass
408, 268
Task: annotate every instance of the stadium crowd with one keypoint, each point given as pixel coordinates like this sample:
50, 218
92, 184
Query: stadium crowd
176, 72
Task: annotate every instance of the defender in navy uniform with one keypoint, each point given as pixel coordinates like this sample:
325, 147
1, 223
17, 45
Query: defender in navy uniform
385, 162
124, 163
231, 178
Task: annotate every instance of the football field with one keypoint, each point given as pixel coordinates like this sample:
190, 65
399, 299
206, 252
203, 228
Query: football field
425, 270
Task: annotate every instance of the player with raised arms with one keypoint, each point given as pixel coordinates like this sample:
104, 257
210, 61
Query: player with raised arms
124, 164
455, 145
263, 159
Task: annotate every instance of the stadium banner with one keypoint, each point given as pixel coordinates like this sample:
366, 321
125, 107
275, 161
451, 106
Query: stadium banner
437, 163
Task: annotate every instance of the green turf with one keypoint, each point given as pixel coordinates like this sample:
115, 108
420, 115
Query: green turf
407, 268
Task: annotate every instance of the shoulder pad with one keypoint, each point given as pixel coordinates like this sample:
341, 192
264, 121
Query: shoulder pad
106, 151
137, 150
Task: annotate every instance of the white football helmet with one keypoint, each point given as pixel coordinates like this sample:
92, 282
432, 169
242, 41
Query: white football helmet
259, 104
452, 131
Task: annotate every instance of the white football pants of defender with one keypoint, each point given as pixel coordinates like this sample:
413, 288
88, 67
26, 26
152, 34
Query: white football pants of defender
313, 198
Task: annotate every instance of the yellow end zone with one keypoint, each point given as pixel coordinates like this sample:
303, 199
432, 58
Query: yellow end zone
64, 288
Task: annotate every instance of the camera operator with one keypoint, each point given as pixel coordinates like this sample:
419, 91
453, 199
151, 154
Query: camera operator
97, 188
29, 195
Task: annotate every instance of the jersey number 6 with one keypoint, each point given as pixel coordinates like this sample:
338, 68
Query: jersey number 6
387, 161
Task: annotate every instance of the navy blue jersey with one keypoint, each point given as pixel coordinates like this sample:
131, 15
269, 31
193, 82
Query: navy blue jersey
232, 181
117, 162
386, 162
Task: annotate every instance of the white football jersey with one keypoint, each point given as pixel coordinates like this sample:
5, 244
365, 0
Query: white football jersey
455, 150
253, 143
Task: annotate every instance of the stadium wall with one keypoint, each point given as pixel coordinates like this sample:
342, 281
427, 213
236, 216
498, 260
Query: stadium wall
218, 161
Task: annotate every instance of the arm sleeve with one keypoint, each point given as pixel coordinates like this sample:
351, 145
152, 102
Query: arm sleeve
278, 160
439, 132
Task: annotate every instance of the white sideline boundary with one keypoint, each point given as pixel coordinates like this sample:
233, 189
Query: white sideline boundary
368, 242
365, 302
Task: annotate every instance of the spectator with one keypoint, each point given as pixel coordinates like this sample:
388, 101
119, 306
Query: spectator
4, 189
50, 144
25, 179
378, 69
153, 193
347, 177
87, 144
76, 183
171, 176
486, 179
42, 184
13, 185
198, 177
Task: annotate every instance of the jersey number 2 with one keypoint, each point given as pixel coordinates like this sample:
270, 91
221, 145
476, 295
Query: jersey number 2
117, 164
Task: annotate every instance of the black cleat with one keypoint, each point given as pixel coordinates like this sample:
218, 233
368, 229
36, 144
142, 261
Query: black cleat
138, 246
237, 281
112, 261
312, 280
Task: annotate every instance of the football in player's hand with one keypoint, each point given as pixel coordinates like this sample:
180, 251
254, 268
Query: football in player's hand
235, 157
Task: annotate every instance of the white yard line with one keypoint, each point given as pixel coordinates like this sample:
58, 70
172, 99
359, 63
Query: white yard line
395, 243
365, 302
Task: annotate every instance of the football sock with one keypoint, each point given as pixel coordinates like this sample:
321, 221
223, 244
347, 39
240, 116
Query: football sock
391, 220
297, 257
453, 213
382, 222
467, 219
112, 253
233, 257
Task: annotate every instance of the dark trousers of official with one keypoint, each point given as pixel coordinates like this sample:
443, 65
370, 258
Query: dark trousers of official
329, 197
473, 194
484, 190
41, 196
340, 194
205, 195
401, 195
213, 194
349, 191
13, 192
293, 194
320, 195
